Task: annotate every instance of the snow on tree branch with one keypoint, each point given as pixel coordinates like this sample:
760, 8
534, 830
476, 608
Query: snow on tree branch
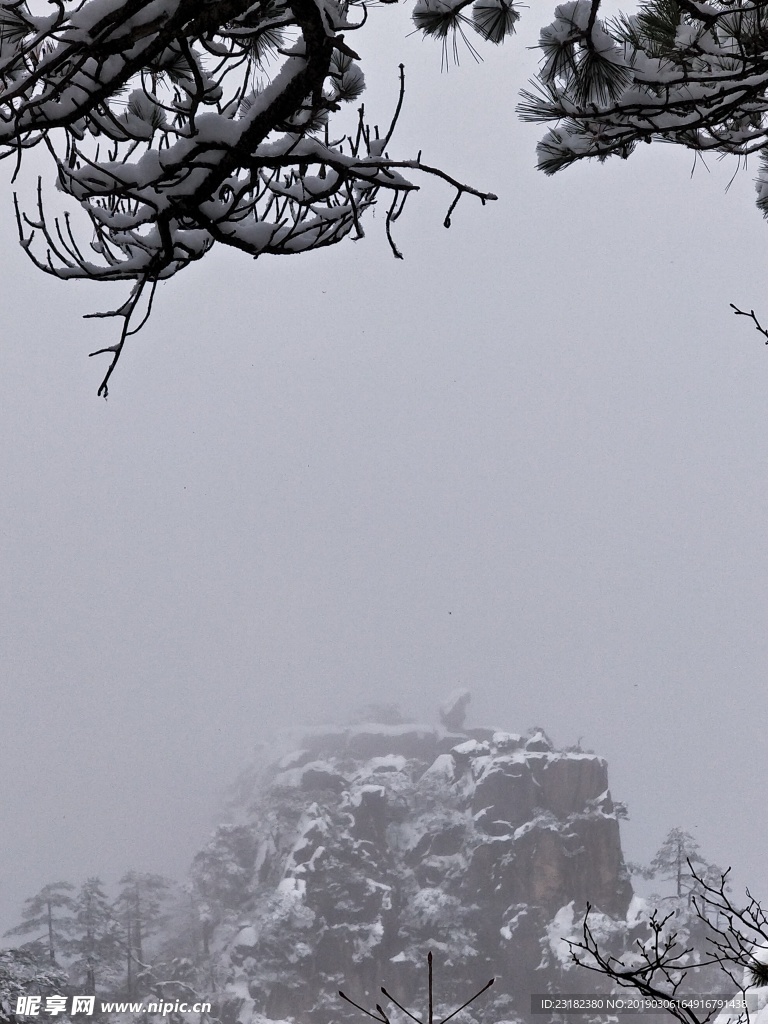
736, 942
681, 71
175, 126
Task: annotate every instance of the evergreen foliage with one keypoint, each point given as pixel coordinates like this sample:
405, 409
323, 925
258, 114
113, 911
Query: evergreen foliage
42, 914
690, 73
678, 860
98, 946
174, 127
140, 909
222, 871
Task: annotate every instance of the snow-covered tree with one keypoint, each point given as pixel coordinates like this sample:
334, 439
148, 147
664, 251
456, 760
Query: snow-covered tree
221, 875
139, 907
47, 916
97, 948
679, 861
180, 942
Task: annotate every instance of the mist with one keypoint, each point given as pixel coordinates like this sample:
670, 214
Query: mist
528, 459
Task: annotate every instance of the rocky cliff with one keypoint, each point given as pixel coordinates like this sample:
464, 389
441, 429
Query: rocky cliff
368, 846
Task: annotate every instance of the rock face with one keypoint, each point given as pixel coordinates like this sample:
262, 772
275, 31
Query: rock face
378, 843
453, 710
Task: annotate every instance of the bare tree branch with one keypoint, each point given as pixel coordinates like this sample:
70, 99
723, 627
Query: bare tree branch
658, 966
751, 314
381, 1016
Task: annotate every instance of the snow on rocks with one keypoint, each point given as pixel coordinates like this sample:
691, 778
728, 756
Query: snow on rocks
385, 837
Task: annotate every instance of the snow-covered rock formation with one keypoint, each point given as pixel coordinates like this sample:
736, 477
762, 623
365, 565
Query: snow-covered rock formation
368, 846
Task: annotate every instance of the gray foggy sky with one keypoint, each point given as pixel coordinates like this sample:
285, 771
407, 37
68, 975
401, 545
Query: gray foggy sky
529, 459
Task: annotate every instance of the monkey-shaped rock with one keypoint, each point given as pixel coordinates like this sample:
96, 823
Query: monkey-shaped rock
453, 710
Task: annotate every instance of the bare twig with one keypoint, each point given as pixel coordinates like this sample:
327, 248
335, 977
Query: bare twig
126, 311
751, 314
381, 1016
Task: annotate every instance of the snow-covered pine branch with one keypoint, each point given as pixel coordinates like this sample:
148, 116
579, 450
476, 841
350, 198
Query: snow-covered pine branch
680, 71
175, 126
